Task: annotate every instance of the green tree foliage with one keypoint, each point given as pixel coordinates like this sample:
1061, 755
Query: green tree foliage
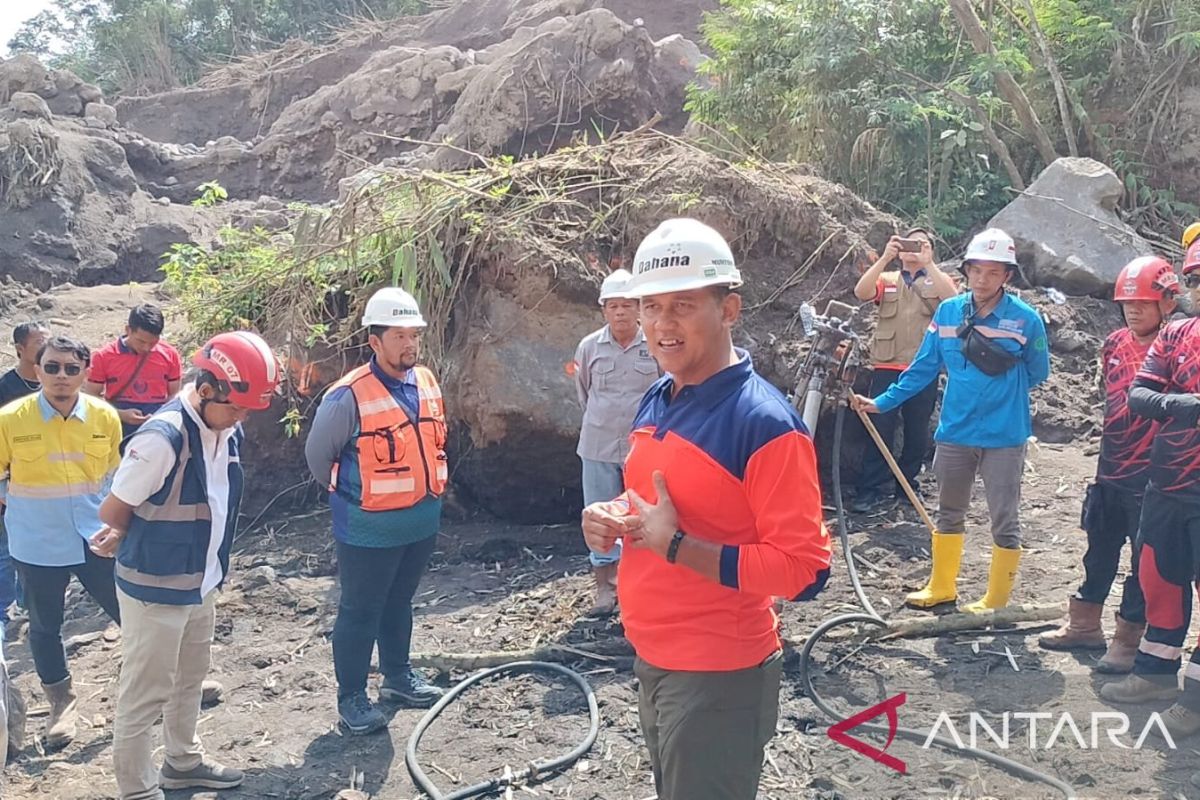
151, 45
878, 94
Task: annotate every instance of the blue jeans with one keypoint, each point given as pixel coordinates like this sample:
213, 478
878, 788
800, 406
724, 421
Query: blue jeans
8, 578
602, 481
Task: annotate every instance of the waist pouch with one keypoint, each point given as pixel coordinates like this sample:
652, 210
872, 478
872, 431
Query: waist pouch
990, 358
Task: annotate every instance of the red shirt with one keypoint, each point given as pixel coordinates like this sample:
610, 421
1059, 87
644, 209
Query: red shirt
1126, 439
1173, 366
742, 472
113, 364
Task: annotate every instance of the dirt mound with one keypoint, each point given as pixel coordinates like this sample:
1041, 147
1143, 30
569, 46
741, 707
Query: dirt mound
553, 72
508, 259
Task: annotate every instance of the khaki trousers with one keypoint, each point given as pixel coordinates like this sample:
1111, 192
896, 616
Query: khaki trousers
706, 731
166, 652
1001, 469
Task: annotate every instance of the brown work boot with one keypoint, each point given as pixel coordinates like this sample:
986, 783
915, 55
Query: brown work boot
1180, 721
1139, 689
1081, 631
60, 724
605, 577
1118, 659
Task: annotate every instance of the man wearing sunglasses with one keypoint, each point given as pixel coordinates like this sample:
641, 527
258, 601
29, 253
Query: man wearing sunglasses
170, 520
58, 448
378, 441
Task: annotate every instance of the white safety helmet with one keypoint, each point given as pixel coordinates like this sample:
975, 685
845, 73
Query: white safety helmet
992, 245
615, 286
682, 254
394, 308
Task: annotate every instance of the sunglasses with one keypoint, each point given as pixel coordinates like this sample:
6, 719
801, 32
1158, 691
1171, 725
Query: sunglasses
1192, 281
54, 367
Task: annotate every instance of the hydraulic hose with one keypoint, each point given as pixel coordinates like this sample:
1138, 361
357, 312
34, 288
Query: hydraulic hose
535, 769
870, 617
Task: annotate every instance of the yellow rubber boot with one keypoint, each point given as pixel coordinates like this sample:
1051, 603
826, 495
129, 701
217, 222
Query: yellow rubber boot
947, 550
1001, 576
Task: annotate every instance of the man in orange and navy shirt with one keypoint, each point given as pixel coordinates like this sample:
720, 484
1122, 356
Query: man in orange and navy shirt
721, 514
906, 299
137, 373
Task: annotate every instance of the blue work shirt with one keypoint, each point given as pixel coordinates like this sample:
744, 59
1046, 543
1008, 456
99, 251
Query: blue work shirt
978, 410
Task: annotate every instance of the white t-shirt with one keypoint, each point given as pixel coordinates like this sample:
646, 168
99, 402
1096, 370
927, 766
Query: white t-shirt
150, 458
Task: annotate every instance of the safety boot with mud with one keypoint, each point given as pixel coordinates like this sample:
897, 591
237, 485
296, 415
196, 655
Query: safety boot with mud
1141, 689
1081, 631
605, 577
946, 550
1122, 650
1002, 574
1181, 721
60, 724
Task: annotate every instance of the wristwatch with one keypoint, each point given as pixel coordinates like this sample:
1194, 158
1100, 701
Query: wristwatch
673, 547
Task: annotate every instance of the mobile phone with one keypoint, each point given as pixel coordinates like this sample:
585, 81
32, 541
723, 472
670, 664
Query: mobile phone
910, 245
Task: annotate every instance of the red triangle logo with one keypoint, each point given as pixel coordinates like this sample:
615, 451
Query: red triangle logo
838, 732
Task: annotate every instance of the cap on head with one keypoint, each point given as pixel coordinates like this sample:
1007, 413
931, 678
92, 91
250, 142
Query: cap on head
1146, 278
680, 255
393, 307
992, 245
244, 366
615, 286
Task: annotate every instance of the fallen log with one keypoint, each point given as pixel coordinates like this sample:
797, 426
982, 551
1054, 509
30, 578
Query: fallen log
616, 652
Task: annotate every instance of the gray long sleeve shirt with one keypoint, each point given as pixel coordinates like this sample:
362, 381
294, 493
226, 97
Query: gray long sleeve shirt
610, 381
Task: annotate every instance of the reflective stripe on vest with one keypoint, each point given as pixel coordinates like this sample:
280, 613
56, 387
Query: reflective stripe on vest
400, 462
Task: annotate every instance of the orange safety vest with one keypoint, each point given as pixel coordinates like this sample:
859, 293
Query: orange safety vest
401, 462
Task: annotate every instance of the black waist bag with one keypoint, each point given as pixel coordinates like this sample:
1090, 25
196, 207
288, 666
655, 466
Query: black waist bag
988, 356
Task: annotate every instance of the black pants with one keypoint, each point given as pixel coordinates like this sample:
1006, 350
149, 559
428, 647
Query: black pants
1169, 568
1110, 518
45, 591
378, 584
875, 476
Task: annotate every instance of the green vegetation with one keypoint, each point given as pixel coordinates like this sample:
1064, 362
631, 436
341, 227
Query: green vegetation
140, 46
890, 97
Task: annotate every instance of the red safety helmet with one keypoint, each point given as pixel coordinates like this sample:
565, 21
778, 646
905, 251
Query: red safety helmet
244, 366
1191, 261
1146, 278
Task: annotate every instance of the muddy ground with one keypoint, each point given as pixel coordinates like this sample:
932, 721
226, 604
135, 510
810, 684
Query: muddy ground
502, 587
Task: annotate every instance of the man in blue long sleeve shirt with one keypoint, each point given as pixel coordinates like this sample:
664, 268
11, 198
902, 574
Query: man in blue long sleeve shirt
994, 351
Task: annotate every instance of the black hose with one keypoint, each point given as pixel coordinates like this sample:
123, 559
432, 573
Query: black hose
535, 769
872, 618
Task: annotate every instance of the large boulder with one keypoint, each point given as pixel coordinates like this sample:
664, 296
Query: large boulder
1067, 230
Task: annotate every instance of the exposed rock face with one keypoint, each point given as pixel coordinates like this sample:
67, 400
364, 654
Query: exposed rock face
1067, 230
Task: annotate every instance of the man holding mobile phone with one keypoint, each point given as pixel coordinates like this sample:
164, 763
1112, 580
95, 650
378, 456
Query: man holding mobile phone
906, 299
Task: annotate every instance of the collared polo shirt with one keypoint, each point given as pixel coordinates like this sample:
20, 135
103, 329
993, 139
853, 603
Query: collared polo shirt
113, 364
58, 473
742, 473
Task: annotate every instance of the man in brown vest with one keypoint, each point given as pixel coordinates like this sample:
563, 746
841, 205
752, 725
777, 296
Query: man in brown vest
907, 299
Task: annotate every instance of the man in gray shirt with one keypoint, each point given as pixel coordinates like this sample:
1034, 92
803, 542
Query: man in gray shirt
613, 368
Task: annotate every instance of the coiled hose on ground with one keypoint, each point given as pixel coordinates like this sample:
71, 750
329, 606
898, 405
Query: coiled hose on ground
870, 617
535, 768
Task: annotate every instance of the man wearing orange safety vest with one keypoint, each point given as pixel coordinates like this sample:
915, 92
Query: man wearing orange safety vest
378, 441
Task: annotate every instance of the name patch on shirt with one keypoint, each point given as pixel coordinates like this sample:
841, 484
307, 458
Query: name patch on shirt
1012, 325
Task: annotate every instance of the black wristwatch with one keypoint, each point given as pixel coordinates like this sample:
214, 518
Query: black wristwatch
673, 547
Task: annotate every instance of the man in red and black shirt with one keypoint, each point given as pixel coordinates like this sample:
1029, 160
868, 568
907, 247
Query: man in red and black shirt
1146, 290
722, 513
139, 372
1167, 389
